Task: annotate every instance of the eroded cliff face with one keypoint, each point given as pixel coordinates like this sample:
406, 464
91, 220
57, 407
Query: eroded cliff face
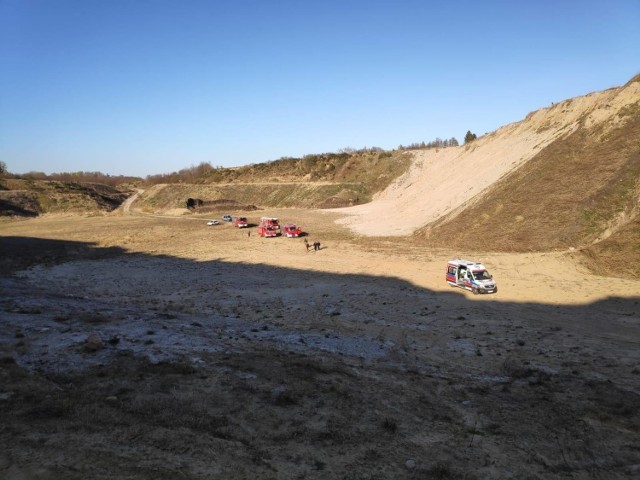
29, 198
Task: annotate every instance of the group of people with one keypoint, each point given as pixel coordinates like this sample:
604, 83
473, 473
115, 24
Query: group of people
316, 245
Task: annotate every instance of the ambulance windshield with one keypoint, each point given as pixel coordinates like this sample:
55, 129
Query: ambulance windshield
482, 275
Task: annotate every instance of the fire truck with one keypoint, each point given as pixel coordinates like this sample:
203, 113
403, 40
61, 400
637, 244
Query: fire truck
269, 227
240, 222
290, 230
471, 276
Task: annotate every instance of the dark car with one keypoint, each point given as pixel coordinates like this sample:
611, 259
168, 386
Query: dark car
226, 218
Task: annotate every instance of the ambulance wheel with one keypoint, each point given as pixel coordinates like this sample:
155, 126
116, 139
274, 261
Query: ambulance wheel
474, 290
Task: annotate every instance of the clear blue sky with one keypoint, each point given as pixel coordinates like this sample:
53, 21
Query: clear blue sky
140, 87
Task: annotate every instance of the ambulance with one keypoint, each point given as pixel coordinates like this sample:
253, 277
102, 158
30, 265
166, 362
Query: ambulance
472, 276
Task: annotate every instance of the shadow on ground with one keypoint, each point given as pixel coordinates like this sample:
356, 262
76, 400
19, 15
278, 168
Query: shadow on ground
121, 365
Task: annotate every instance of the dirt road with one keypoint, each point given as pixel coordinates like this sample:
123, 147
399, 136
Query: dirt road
126, 205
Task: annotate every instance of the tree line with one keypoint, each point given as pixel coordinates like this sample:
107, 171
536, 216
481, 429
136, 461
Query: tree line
437, 143
186, 175
196, 173
72, 177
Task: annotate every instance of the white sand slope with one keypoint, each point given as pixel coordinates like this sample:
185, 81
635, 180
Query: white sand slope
441, 181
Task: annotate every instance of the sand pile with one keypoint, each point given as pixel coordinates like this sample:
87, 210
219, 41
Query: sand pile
441, 181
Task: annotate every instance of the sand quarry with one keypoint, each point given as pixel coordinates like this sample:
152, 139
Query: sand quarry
156, 347
147, 347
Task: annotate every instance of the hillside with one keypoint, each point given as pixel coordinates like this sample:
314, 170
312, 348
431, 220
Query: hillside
372, 167
315, 181
575, 188
565, 177
326, 180
30, 198
168, 197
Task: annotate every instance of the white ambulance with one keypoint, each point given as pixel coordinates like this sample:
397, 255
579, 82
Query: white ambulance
471, 276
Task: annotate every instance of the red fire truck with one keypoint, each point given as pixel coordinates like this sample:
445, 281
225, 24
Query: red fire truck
269, 227
290, 230
240, 222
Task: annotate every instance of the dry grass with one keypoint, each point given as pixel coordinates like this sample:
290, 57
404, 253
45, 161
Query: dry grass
566, 196
315, 181
264, 195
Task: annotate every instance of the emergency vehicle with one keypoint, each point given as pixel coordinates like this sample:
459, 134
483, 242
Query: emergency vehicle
471, 276
290, 230
240, 222
269, 227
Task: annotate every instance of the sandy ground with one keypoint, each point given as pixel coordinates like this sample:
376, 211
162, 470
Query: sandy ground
147, 347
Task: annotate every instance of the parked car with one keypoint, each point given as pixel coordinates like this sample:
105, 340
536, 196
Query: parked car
227, 218
213, 222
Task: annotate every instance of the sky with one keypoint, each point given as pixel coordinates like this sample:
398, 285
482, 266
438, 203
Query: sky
144, 87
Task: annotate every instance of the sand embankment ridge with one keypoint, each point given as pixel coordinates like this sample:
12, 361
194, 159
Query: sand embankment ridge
443, 180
